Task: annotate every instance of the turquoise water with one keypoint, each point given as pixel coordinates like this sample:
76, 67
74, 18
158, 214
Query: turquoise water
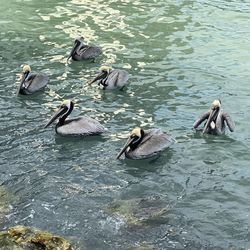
181, 55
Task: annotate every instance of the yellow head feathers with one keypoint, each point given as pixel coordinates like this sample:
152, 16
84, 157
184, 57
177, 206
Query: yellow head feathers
26, 68
136, 132
66, 102
216, 104
105, 68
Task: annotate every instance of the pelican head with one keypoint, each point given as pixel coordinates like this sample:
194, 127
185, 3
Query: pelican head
26, 68
77, 43
216, 104
64, 110
79, 39
136, 132
105, 68
25, 73
215, 108
133, 141
104, 71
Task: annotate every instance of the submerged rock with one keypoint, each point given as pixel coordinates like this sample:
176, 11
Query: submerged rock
26, 238
5, 200
144, 212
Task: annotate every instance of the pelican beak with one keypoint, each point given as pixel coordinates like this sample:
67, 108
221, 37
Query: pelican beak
211, 116
61, 111
127, 144
72, 51
25, 75
100, 76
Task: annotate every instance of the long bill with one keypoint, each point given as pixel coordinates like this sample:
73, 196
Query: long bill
211, 116
125, 147
72, 51
98, 77
25, 75
55, 116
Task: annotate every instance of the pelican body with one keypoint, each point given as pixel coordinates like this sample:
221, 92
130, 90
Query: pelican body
31, 82
143, 144
216, 120
79, 126
111, 78
81, 51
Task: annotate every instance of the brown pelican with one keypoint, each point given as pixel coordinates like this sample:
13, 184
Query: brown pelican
146, 143
216, 119
80, 126
111, 78
31, 82
81, 51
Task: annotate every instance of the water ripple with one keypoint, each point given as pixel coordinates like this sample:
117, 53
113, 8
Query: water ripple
180, 56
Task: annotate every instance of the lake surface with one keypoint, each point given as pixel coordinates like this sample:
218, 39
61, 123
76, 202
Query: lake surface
181, 55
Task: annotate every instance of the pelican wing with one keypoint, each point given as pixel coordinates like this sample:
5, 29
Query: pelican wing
117, 78
229, 121
36, 82
202, 118
155, 141
89, 52
81, 126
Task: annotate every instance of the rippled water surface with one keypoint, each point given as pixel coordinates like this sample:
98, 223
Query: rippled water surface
180, 55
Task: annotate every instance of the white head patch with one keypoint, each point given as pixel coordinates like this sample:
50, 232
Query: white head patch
136, 131
26, 68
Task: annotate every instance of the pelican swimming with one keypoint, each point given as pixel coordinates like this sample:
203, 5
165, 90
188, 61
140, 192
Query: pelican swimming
216, 119
81, 51
146, 143
80, 126
31, 82
111, 78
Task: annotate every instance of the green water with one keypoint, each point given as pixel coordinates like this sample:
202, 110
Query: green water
181, 55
